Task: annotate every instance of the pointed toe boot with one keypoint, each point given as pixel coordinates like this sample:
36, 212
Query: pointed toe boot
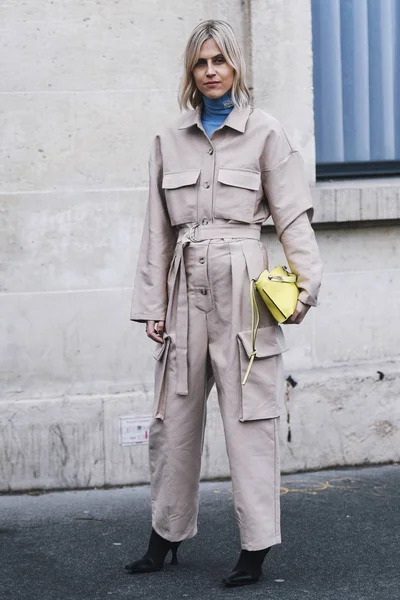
154, 558
248, 569
239, 577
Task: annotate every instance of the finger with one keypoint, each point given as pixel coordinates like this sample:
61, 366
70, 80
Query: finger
156, 338
151, 329
150, 326
152, 333
159, 332
296, 317
289, 321
301, 315
160, 328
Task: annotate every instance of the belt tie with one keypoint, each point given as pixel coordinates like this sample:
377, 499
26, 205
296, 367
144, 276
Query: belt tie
194, 234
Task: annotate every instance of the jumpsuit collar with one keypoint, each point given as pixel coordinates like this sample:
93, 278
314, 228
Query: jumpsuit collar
237, 119
215, 112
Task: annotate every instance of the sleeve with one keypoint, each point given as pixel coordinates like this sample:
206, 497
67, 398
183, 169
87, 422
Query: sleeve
284, 182
149, 301
303, 256
289, 202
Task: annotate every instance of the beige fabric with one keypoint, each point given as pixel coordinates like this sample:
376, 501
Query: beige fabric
218, 310
248, 172
178, 288
226, 187
302, 253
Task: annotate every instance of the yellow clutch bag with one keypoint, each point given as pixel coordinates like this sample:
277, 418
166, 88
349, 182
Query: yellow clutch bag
279, 292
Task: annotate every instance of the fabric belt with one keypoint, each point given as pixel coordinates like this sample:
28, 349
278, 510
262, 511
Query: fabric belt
188, 235
201, 233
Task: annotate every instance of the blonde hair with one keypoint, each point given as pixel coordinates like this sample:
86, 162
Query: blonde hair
224, 36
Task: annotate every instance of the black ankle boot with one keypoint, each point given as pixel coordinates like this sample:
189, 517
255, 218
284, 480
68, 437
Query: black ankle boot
248, 568
154, 558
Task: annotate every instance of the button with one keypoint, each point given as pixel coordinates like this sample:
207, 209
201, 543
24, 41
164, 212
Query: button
206, 185
210, 151
204, 292
204, 221
202, 260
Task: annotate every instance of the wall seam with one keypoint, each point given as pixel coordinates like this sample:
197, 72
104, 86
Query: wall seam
248, 48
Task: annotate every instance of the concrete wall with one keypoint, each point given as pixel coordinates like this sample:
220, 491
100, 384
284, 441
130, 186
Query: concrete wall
85, 85
282, 69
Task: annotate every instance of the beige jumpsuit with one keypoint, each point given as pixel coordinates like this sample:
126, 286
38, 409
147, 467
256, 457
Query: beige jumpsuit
200, 248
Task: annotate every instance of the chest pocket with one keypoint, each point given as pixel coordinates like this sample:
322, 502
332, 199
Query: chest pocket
237, 193
180, 190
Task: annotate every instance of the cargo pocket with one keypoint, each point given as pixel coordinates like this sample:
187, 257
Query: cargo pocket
237, 194
181, 195
262, 395
161, 356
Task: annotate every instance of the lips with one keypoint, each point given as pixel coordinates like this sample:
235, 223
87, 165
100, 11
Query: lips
212, 83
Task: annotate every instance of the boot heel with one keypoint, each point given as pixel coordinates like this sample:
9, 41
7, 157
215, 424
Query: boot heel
154, 558
174, 551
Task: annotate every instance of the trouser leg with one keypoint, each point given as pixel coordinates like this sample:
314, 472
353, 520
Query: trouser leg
175, 454
252, 443
176, 442
253, 451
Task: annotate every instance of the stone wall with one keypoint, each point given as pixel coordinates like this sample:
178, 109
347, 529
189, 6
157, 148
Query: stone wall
85, 86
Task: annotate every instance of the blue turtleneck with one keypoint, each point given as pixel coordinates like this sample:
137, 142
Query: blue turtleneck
215, 111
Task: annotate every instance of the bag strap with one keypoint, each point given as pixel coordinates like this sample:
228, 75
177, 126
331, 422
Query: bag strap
284, 278
255, 321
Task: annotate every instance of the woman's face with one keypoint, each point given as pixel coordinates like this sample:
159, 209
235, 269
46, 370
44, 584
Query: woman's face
212, 74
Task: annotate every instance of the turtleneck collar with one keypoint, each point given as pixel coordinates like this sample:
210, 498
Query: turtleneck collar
215, 111
218, 106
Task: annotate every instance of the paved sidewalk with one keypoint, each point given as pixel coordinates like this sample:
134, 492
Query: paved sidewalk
341, 532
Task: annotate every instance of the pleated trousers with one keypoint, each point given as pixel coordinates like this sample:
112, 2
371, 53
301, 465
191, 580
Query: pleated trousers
218, 346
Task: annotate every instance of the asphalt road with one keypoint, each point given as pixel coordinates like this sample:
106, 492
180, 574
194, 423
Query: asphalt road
341, 532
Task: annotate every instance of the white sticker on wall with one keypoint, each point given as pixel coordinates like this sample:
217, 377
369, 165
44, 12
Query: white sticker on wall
134, 431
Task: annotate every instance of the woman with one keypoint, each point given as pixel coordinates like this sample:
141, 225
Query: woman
215, 176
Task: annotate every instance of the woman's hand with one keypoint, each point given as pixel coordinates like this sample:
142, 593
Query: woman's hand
155, 330
299, 313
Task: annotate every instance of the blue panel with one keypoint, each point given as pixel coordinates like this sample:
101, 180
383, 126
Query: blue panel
356, 48
317, 69
397, 80
355, 77
381, 63
328, 81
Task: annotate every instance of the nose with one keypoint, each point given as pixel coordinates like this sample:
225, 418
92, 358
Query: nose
210, 69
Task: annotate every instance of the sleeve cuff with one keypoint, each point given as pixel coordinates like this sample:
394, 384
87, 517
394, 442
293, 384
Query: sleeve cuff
307, 298
144, 319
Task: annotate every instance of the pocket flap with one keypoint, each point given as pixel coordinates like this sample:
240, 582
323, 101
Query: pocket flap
269, 342
240, 178
179, 179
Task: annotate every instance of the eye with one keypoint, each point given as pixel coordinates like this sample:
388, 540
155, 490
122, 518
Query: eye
200, 63
219, 60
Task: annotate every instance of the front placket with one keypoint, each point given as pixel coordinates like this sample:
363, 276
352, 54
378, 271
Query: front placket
206, 189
